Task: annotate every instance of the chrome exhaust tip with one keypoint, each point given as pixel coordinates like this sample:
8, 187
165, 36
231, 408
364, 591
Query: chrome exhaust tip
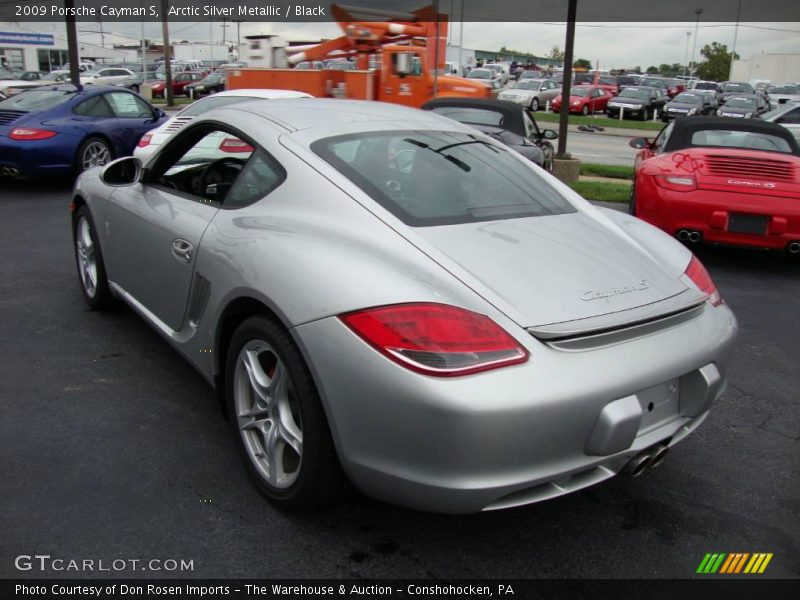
638, 464
658, 456
694, 236
793, 248
683, 235
9, 171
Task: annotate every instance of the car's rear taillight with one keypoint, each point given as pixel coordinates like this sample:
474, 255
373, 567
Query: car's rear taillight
29, 133
145, 140
676, 183
700, 277
436, 339
232, 144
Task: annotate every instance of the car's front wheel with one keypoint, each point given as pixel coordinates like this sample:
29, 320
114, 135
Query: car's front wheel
280, 423
535, 104
585, 110
93, 152
89, 260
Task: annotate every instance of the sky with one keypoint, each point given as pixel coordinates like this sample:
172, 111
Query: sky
614, 45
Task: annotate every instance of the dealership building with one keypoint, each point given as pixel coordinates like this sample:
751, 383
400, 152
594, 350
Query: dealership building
25, 47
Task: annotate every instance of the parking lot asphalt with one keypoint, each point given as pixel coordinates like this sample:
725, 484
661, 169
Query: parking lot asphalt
113, 447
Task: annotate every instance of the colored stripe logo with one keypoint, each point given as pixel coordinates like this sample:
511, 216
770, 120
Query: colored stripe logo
734, 563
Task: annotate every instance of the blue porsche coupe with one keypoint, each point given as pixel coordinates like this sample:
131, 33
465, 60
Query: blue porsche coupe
62, 130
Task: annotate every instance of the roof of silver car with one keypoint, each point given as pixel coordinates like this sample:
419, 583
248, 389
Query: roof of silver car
315, 112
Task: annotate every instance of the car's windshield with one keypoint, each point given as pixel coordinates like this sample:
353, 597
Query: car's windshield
530, 84
428, 178
35, 100
479, 74
211, 103
748, 140
634, 93
627, 80
689, 98
654, 82
705, 86
581, 91
784, 89
532, 75
737, 87
740, 103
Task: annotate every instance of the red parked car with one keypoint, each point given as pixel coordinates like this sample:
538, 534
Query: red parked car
721, 180
585, 99
179, 83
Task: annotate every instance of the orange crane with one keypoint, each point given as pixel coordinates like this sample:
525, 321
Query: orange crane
396, 61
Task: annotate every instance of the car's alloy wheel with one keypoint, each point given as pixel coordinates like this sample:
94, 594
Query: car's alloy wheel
268, 418
646, 114
535, 104
282, 428
585, 110
94, 152
135, 88
89, 261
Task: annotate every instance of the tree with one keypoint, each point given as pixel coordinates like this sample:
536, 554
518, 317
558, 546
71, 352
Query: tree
652, 70
717, 63
556, 53
582, 63
636, 69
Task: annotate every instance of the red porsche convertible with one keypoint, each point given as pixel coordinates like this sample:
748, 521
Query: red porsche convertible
721, 180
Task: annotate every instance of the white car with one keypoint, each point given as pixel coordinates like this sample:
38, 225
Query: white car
501, 69
150, 141
787, 115
108, 76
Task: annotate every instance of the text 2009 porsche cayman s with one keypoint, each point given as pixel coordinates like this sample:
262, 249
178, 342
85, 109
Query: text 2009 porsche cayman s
392, 298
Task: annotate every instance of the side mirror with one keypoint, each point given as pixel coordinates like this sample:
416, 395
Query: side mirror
639, 143
549, 134
158, 113
121, 172
403, 64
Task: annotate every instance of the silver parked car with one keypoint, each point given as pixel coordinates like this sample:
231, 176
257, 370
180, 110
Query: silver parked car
534, 93
386, 296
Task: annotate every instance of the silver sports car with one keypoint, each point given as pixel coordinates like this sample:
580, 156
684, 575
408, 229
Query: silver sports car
383, 295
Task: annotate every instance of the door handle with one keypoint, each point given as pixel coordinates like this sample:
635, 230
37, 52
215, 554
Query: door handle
182, 250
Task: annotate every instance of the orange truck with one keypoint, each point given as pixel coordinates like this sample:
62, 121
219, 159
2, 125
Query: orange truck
402, 53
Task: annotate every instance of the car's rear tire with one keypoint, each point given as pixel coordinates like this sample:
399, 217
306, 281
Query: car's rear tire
93, 152
89, 261
645, 114
535, 104
279, 420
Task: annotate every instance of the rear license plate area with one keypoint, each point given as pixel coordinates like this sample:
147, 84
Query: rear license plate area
660, 404
755, 224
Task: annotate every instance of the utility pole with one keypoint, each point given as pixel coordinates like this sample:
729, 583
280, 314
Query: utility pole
167, 55
735, 35
72, 44
692, 71
224, 27
572, 11
686, 53
238, 37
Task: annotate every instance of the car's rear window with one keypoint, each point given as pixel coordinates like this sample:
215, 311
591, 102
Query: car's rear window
748, 140
212, 103
36, 100
478, 116
428, 178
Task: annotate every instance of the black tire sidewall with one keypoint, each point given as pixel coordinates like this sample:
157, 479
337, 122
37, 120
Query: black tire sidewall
102, 295
320, 474
535, 104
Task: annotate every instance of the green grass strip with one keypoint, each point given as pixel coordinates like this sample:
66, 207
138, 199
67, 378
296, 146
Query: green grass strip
604, 191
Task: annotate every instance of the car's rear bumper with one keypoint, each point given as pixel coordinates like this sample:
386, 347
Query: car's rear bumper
561, 421
37, 158
709, 211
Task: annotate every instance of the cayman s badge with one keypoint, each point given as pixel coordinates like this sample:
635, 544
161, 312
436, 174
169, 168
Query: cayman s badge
762, 184
606, 295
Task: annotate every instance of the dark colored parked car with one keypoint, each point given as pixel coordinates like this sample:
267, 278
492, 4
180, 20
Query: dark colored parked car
688, 104
508, 122
135, 81
55, 130
744, 105
213, 83
639, 102
734, 88
179, 83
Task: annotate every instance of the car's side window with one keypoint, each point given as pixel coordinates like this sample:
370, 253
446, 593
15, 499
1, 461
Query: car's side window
128, 106
96, 106
663, 136
260, 176
792, 117
203, 165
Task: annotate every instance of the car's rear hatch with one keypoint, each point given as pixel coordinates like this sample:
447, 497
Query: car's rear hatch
561, 275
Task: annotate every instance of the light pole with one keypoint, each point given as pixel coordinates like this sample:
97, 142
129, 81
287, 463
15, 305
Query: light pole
735, 35
686, 53
697, 12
